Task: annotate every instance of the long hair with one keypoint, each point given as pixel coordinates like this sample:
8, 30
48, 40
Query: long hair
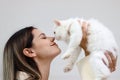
13, 58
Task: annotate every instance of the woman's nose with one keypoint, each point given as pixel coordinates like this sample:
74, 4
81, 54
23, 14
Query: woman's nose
51, 38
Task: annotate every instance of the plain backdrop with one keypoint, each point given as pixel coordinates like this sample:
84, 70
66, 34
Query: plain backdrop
17, 14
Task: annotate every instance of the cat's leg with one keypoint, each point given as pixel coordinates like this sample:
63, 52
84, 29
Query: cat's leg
101, 70
75, 40
69, 52
85, 69
72, 60
92, 67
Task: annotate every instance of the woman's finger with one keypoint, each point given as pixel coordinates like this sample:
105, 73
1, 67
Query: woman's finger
114, 60
110, 62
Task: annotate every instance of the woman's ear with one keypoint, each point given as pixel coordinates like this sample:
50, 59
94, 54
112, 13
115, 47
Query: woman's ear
29, 52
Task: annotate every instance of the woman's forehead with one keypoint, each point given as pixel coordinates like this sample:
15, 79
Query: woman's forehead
36, 32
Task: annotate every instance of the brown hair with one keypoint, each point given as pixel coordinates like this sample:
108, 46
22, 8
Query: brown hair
13, 58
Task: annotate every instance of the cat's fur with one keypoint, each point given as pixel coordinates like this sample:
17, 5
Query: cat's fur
99, 39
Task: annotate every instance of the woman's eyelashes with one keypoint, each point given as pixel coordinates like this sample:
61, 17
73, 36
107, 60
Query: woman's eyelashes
43, 36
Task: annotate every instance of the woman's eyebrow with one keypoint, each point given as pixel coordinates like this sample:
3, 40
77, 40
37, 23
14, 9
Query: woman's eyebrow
41, 34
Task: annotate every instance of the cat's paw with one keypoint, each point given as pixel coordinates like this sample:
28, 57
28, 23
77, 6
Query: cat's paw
65, 56
67, 68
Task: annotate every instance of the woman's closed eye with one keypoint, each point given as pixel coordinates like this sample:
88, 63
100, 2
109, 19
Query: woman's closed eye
43, 36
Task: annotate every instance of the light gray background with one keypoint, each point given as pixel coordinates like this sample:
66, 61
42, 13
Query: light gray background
16, 14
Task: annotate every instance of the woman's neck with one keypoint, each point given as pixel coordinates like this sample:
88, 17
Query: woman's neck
44, 68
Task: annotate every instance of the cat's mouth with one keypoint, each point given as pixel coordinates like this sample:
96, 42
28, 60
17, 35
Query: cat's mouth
58, 38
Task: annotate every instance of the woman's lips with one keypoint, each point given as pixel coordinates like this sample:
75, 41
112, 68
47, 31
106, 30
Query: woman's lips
52, 44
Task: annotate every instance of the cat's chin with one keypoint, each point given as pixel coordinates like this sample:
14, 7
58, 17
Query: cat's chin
58, 38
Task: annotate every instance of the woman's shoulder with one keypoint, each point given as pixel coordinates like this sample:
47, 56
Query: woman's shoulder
20, 75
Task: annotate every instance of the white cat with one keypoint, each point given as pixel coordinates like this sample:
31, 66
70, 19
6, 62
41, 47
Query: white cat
99, 39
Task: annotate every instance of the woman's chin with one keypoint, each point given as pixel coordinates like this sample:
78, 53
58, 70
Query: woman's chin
57, 52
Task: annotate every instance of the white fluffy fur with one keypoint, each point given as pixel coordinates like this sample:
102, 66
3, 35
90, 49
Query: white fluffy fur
99, 40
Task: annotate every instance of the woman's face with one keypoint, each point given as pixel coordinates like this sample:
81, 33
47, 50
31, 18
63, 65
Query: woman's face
44, 46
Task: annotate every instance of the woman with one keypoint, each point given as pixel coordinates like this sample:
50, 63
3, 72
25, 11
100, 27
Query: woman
28, 54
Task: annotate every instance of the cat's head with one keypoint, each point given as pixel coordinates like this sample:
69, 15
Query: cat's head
61, 29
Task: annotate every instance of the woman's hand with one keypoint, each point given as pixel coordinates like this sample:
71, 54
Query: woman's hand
112, 61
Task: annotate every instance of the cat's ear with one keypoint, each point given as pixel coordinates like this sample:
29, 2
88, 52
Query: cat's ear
57, 22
